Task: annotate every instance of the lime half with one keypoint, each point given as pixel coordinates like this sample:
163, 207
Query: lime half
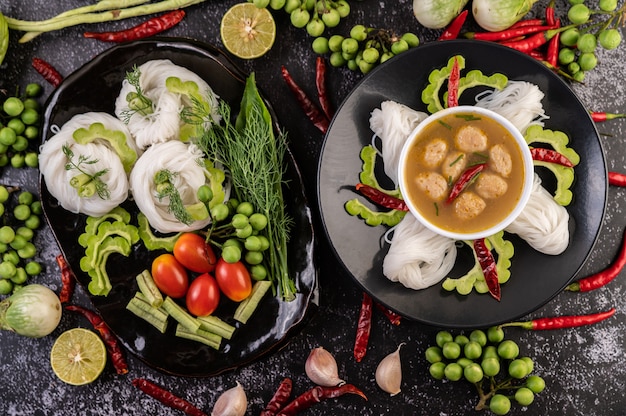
248, 31
78, 356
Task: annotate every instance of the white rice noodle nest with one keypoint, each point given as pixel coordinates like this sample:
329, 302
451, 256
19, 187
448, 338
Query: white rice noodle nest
184, 161
519, 102
52, 163
418, 257
393, 123
543, 223
165, 121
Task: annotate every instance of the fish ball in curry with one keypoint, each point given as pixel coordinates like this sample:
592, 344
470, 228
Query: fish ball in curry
491, 186
500, 160
468, 205
434, 152
470, 139
432, 184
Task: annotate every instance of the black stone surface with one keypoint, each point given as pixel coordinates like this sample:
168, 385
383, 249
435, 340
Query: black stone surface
583, 367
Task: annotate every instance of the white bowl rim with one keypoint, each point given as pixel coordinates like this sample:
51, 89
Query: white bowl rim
528, 167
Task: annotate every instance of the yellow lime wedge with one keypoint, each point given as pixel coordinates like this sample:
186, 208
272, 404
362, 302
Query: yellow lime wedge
78, 356
248, 31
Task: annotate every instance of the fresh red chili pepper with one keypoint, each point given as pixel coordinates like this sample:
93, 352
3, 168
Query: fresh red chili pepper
111, 342
454, 28
560, 322
47, 71
393, 317
317, 117
603, 277
537, 54
617, 179
68, 280
464, 180
550, 15
316, 395
508, 34
550, 156
381, 198
528, 22
453, 84
320, 83
363, 328
603, 116
143, 30
488, 265
534, 41
279, 399
167, 398
552, 54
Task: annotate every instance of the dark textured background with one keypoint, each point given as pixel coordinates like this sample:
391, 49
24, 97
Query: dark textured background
583, 367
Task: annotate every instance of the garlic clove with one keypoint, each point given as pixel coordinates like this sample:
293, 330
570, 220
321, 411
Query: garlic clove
321, 368
389, 372
233, 402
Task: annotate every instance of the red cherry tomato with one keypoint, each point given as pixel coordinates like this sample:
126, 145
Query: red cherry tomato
233, 279
203, 295
193, 252
170, 276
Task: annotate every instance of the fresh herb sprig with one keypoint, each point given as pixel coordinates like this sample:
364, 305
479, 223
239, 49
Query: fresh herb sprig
164, 182
91, 179
255, 158
137, 100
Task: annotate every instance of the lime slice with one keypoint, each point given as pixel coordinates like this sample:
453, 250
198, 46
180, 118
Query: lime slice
248, 31
78, 356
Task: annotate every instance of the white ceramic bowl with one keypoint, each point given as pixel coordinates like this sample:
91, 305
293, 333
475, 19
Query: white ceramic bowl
527, 166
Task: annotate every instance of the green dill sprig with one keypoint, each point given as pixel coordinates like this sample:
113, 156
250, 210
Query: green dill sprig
88, 180
165, 188
255, 158
137, 101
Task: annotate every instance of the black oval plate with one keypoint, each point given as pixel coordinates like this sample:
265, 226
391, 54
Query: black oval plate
535, 278
94, 87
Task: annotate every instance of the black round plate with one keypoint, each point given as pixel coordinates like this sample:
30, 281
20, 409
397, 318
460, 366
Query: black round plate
535, 278
94, 87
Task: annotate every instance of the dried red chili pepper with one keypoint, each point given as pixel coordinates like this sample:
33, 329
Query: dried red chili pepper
453, 84
603, 277
316, 395
454, 28
47, 71
464, 180
550, 156
68, 280
317, 117
143, 30
167, 398
110, 341
363, 328
617, 179
279, 399
320, 83
560, 322
598, 116
508, 34
393, 317
488, 266
381, 198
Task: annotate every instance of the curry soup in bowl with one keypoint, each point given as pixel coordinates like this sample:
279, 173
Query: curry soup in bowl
465, 172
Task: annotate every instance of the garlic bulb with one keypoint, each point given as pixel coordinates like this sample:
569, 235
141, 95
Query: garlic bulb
321, 368
389, 372
232, 402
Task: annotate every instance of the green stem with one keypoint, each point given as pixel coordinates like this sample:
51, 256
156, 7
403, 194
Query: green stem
61, 22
